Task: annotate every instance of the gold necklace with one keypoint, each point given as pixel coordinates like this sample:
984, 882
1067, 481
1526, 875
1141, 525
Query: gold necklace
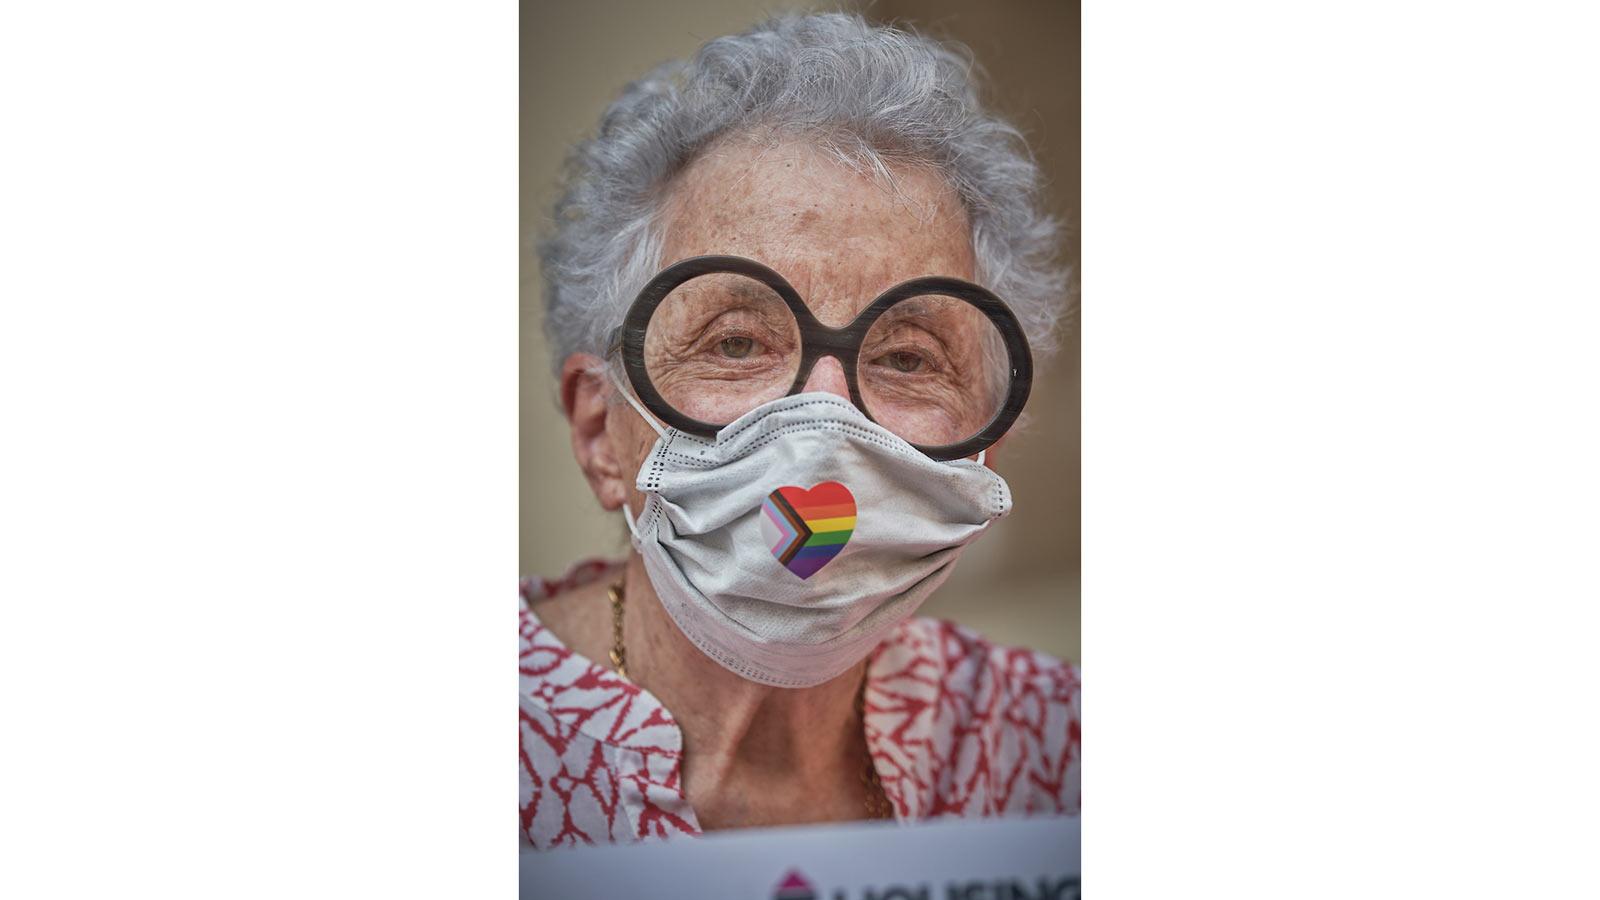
877, 802
619, 660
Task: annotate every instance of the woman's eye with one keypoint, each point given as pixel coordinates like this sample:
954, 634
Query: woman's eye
901, 361
736, 347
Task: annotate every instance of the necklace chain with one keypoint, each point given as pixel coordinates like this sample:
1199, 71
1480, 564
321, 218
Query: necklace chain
619, 658
877, 801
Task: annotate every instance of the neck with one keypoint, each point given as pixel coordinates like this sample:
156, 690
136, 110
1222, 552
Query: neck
742, 740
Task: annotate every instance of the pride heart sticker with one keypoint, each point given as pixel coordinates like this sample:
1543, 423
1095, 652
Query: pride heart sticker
805, 529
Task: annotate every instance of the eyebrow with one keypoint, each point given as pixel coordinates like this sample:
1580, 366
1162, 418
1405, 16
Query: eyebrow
737, 286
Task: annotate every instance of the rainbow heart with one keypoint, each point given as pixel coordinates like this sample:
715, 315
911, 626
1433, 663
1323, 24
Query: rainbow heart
806, 529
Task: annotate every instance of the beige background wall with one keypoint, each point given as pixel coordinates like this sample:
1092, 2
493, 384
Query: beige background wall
1019, 584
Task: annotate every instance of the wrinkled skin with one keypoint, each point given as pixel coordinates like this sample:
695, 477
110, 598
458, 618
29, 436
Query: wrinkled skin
756, 755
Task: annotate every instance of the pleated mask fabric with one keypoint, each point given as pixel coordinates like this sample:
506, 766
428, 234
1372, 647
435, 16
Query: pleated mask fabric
791, 544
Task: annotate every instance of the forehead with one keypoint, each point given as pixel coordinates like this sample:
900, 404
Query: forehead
839, 236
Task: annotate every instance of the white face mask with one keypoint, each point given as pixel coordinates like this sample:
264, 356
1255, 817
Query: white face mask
790, 545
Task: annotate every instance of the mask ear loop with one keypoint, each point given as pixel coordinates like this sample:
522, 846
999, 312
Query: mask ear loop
637, 407
627, 514
982, 454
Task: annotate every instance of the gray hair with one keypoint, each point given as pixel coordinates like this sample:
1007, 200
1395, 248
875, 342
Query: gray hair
870, 95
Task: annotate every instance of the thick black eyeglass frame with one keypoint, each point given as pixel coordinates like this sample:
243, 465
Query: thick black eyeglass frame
818, 340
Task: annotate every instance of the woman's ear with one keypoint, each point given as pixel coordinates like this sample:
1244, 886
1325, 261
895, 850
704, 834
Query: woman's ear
586, 401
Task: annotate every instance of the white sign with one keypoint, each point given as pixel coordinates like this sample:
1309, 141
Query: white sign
951, 859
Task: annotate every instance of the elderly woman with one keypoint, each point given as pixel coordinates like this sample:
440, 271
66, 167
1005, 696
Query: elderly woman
793, 285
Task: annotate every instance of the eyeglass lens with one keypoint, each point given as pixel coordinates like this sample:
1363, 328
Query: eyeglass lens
932, 369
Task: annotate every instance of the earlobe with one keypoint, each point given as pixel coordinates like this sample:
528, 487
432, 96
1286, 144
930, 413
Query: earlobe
585, 400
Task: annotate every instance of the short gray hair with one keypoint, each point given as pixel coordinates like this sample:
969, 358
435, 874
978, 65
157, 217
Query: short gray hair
871, 95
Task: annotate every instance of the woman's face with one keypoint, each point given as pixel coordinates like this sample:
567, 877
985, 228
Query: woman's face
840, 238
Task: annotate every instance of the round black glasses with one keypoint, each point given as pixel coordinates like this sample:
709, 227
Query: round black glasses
941, 362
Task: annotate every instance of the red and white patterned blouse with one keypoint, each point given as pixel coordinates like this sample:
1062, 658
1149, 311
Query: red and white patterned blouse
955, 725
